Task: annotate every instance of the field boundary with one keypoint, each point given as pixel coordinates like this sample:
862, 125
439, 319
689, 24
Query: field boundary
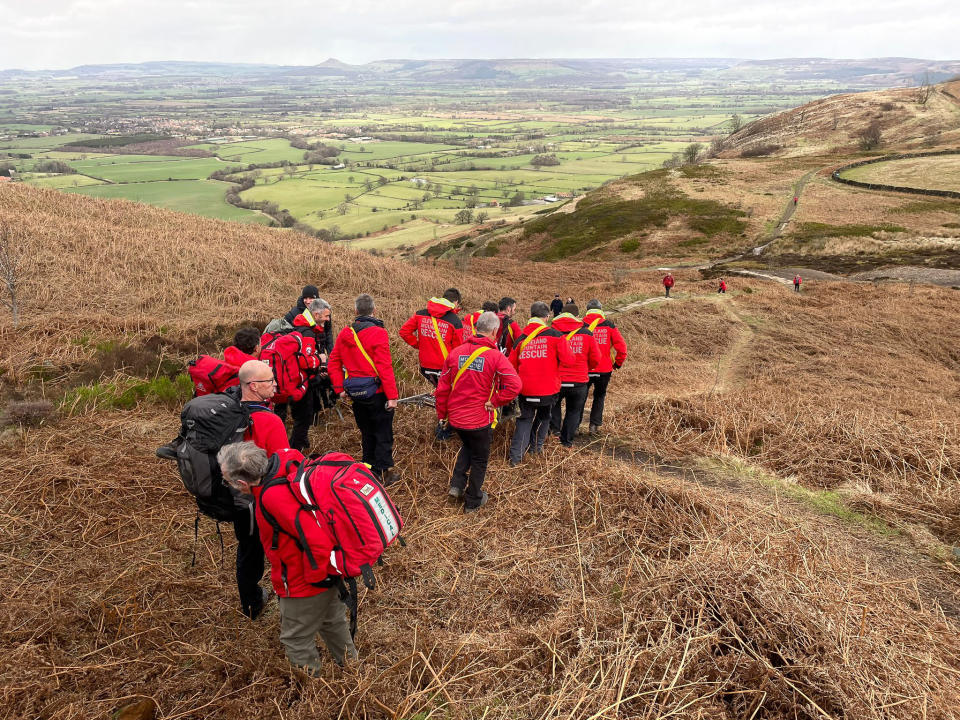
835, 175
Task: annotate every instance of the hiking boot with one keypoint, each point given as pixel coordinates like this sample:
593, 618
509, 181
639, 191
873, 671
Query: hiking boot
169, 451
594, 429
389, 477
483, 501
455, 494
253, 612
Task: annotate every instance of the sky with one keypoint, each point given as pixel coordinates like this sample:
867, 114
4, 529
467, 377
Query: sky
60, 34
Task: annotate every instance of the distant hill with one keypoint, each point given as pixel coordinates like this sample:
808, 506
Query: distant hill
845, 74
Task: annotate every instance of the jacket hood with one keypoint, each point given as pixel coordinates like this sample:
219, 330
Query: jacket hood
478, 340
438, 307
362, 322
595, 314
236, 357
567, 323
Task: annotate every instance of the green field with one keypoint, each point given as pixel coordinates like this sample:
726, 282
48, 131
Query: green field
147, 168
201, 197
929, 173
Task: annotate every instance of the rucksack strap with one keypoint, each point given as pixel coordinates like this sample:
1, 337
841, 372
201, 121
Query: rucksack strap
593, 325
572, 333
533, 334
436, 335
363, 352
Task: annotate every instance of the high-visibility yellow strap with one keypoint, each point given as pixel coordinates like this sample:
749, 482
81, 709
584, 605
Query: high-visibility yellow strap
572, 333
436, 334
473, 330
593, 325
463, 368
364, 352
531, 336
309, 318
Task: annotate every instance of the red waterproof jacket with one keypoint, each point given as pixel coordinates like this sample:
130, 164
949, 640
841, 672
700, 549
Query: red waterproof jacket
538, 363
668, 281
797, 280
508, 333
470, 323
419, 332
490, 377
347, 360
312, 333
583, 346
288, 565
607, 337
723, 285
236, 357
267, 430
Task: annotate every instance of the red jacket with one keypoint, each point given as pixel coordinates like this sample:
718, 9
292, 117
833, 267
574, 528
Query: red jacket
290, 572
723, 285
346, 356
267, 430
236, 357
312, 333
538, 364
668, 280
508, 334
418, 332
490, 377
470, 323
583, 346
607, 337
797, 280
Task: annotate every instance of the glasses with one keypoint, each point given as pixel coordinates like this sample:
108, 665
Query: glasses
266, 380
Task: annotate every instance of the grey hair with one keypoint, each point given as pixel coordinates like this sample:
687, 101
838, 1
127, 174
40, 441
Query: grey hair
318, 305
539, 310
364, 304
488, 322
243, 461
594, 304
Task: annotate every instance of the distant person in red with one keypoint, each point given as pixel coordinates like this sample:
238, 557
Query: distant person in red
575, 375
723, 286
667, 283
435, 331
470, 321
795, 199
476, 380
609, 340
796, 283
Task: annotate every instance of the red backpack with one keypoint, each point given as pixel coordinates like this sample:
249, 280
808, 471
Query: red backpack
211, 375
289, 357
342, 497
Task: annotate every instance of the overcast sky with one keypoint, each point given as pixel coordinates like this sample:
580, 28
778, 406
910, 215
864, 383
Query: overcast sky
55, 34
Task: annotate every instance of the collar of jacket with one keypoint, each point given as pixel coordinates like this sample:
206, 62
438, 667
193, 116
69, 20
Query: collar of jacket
566, 316
444, 302
481, 340
594, 312
536, 321
367, 320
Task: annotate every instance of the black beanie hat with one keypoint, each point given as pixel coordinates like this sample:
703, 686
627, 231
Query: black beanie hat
310, 291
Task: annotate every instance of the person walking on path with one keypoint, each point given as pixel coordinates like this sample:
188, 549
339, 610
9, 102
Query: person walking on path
796, 282
795, 200
723, 286
305, 609
536, 356
475, 381
361, 369
608, 339
574, 374
667, 283
556, 306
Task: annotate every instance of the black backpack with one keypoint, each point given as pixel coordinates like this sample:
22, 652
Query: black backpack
207, 423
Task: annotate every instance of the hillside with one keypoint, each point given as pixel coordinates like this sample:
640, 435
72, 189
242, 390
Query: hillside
764, 530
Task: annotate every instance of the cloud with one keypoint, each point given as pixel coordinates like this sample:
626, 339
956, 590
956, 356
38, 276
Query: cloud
65, 33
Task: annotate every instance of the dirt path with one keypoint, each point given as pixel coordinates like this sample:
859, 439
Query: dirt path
787, 213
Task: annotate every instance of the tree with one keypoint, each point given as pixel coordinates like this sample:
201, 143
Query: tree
517, 199
736, 122
482, 216
542, 160
464, 217
691, 153
925, 90
10, 268
871, 136
343, 208
347, 197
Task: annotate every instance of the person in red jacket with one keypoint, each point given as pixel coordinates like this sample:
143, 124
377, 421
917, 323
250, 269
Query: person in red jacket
435, 331
360, 364
310, 324
476, 380
470, 321
509, 329
574, 374
305, 609
246, 347
796, 282
608, 339
667, 283
723, 286
537, 356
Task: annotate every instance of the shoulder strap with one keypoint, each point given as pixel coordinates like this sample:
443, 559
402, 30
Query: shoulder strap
572, 333
436, 335
473, 356
536, 331
363, 352
593, 325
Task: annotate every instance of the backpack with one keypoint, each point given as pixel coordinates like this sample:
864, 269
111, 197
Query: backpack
210, 375
207, 423
278, 326
286, 357
344, 498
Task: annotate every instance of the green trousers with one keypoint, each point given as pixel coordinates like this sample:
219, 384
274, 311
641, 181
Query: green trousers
302, 618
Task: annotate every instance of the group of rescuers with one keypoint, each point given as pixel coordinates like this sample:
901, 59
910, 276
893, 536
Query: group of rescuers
478, 363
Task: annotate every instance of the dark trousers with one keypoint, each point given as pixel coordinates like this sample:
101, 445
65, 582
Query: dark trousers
575, 397
599, 382
473, 457
249, 560
432, 376
668, 291
532, 426
302, 412
796, 287
376, 431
